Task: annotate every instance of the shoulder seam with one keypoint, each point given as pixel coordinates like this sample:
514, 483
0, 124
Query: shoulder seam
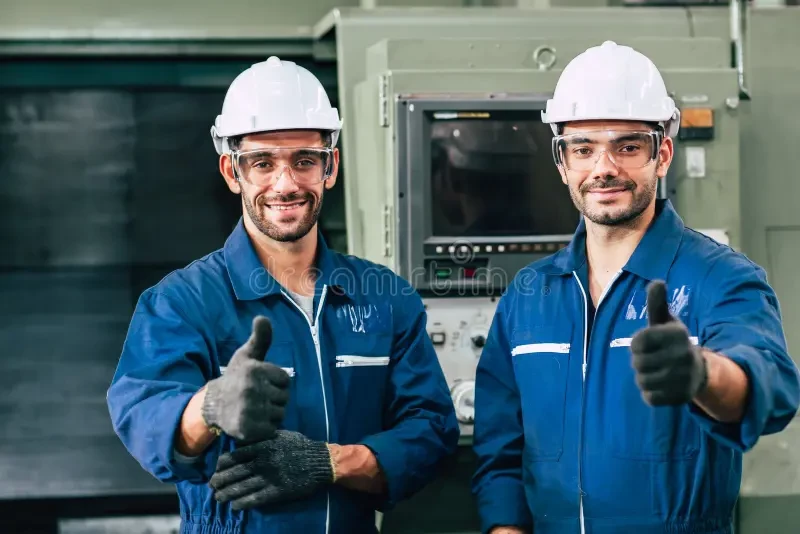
202, 259
754, 267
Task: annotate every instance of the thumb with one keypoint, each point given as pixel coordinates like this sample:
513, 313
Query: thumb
255, 348
657, 308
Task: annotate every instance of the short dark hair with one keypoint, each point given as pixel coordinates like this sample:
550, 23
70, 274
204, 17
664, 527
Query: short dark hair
236, 142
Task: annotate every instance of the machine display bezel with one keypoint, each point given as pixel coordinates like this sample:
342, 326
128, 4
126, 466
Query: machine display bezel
415, 240
416, 246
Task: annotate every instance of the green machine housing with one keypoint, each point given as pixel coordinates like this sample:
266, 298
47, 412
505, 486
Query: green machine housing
479, 59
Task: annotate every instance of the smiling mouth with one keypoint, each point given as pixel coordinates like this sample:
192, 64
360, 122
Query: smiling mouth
286, 206
608, 191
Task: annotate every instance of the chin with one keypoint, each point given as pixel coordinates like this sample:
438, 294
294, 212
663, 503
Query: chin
290, 231
612, 217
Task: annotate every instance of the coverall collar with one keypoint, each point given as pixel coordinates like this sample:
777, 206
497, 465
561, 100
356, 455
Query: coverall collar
653, 256
252, 281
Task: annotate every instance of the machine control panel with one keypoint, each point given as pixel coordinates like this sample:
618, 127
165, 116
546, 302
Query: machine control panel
459, 328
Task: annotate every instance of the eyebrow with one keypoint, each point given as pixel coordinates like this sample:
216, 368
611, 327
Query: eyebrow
629, 137
620, 139
309, 152
580, 141
299, 152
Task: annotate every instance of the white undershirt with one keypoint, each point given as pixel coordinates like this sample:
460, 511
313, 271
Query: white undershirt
305, 303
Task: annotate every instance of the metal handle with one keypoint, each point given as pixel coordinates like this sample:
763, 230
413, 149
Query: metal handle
545, 57
738, 13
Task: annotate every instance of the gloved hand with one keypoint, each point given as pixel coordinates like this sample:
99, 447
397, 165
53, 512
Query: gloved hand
289, 467
248, 401
669, 369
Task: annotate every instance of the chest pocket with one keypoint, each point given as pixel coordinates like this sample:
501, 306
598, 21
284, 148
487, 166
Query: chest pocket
541, 361
360, 372
641, 431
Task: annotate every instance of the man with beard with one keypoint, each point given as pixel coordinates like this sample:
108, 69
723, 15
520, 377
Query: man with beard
625, 376
281, 386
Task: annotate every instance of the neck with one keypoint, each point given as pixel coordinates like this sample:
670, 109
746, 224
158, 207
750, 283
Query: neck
290, 263
608, 248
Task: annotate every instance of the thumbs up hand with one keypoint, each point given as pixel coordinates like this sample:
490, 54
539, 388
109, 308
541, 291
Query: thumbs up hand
247, 402
670, 370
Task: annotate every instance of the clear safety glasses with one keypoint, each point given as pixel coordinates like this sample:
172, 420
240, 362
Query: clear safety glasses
626, 149
262, 167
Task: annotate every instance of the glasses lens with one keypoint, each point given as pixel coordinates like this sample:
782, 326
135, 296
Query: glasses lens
629, 150
306, 166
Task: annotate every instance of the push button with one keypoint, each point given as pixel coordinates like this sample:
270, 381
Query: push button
438, 338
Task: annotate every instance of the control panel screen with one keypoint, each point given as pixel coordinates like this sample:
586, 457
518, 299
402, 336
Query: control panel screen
492, 174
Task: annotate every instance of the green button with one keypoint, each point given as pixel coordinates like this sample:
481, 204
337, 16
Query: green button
442, 273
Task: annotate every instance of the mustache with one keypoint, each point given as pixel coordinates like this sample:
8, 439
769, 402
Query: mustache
294, 197
598, 185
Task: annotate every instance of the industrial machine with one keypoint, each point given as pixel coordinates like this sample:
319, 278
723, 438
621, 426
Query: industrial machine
450, 179
469, 193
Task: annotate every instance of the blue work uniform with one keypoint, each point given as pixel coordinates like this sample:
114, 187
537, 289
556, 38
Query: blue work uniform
564, 440
364, 371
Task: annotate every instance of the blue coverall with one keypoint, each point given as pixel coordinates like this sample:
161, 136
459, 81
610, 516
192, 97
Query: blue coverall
364, 372
565, 441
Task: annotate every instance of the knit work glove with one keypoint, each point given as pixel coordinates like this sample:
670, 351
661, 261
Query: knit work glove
248, 401
285, 468
670, 370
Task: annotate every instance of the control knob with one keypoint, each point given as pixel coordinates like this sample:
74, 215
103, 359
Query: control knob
463, 394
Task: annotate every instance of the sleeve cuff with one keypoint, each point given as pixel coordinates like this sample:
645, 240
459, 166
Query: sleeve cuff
391, 464
740, 436
502, 503
181, 459
196, 469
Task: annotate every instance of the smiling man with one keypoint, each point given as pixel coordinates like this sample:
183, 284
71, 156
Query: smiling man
624, 376
282, 387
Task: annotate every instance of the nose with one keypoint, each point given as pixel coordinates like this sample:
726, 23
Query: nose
285, 183
604, 167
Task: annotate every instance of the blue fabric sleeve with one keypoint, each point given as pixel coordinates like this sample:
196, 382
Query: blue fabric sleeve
498, 434
421, 426
164, 362
742, 321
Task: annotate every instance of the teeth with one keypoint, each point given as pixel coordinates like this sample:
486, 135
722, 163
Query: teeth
285, 207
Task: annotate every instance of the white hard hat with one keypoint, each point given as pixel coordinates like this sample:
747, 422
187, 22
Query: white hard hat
274, 95
612, 82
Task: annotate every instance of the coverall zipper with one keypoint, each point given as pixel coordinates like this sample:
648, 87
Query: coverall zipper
584, 368
315, 336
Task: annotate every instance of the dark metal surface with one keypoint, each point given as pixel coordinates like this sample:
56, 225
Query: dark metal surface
67, 162
99, 178
102, 194
445, 506
60, 336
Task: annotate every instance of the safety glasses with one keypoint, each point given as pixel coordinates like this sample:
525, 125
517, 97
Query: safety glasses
581, 151
263, 167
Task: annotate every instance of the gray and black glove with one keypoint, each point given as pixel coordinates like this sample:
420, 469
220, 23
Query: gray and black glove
670, 370
289, 467
248, 401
